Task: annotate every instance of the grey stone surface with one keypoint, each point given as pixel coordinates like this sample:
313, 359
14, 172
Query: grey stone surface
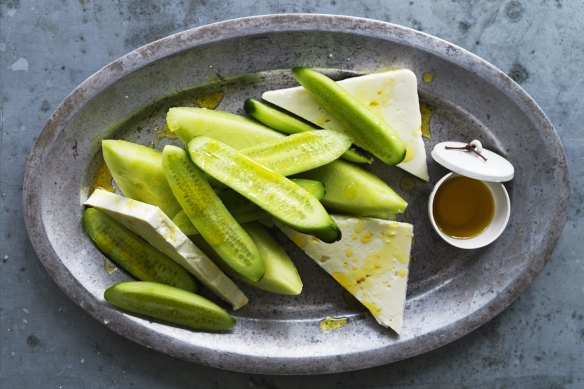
48, 48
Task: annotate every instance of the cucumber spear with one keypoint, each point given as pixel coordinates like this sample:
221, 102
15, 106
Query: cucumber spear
367, 129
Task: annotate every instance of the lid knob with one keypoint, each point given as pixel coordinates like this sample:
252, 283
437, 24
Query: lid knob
477, 145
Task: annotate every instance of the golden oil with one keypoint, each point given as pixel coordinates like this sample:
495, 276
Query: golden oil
463, 207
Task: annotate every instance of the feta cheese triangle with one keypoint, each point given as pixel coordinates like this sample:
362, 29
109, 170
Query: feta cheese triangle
371, 261
392, 95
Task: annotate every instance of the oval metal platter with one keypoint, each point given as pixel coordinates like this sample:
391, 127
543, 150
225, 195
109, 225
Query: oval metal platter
451, 292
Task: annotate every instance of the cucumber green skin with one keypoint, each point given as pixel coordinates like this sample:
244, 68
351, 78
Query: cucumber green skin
374, 197
284, 122
351, 190
169, 304
188, 122
368, 130
314, 187
133, 254
281, 275
137, 170
354, 155
209, 216
242, 209
276, 194
300, 152
276, 118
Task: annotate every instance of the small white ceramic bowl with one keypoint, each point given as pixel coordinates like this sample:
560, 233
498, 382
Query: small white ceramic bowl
493, 231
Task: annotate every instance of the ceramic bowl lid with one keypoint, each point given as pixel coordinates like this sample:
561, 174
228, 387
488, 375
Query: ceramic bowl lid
474, 161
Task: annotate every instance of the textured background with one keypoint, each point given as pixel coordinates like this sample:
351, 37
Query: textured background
47, 48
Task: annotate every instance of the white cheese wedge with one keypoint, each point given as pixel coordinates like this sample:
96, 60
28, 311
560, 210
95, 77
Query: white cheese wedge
371, 261
392, 95
156, 228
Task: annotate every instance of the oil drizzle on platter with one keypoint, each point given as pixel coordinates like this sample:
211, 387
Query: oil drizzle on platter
102, 178
329, 324
426, 110
109, 266
407, 184
209, 100
428, 77
165, 133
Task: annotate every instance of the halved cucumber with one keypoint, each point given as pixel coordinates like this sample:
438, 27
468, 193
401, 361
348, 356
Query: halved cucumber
351, 190
281, 197
314, 187
188, 122
276, 118
137, 170
209, 215
242, 209
284, 122
132, 253
366, 128
300, 152
169, 304
281, 275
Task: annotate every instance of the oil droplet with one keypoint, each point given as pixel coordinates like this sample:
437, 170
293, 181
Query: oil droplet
212, 146
407, 184
210, 100
427, 77
329, 324
427, 111
300, 240
372, 307
351, 190
390, 232
360, 226
165, 133
383, 70
109, 266
322, 121
367, 237
410, 153
103, 178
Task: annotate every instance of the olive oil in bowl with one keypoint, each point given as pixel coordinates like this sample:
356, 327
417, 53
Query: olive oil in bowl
463, 207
